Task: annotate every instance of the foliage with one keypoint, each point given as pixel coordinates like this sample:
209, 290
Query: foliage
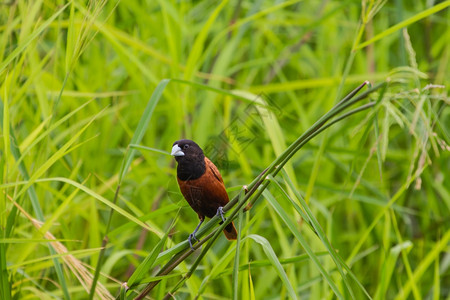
94, 93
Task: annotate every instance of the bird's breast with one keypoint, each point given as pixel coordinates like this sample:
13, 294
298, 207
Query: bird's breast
204, 194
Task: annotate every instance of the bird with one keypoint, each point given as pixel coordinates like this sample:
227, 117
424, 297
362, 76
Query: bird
201, 184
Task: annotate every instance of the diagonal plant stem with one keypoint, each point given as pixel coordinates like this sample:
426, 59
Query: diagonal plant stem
259, 184
101, 256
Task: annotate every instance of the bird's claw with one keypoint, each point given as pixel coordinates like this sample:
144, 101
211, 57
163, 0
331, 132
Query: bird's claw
220, 213
192, 236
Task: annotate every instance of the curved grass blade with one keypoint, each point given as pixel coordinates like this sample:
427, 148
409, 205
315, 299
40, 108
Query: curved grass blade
142, 126
148, 262
98, 197
265, 263
293, 228
238, 251
320, 233
407, 22
135, 146
388, 269
198, 46
275, 262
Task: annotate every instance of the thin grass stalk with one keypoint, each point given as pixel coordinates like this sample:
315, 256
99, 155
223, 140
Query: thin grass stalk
235, 284
294, 147
101, 256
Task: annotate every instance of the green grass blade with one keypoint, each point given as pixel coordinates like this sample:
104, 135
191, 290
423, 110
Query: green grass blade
423, 14
320, 233
134, 146
275, 263
197, 48
50, 161
238, 252
19, 164
388, 269
380, 214
148, 262
436, 283
158, 278
100, 198
5, 290
433, 255
142, 126
293, 228
265, 262
75, 253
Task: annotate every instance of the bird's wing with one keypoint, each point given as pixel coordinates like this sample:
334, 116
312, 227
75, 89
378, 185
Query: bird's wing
213, 169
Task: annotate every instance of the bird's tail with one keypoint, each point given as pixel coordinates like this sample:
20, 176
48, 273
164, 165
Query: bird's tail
230, 231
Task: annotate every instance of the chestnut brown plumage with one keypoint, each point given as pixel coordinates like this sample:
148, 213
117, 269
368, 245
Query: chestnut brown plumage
201, 185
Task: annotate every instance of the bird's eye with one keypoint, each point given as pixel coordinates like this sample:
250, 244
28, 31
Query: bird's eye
186, 146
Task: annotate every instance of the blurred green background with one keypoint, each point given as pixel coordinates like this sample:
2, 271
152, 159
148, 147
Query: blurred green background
75, 78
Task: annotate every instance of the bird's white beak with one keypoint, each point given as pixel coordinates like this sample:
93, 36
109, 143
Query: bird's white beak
176, 151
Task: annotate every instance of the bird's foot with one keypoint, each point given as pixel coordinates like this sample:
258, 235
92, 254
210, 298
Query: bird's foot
220, 213
192, 236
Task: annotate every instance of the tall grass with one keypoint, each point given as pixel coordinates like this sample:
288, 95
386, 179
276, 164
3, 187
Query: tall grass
94, 94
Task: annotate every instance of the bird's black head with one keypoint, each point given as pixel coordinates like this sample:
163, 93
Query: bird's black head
187, 150
190, 158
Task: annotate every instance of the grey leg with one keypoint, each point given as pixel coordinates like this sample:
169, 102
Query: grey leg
192, 235
220, 213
